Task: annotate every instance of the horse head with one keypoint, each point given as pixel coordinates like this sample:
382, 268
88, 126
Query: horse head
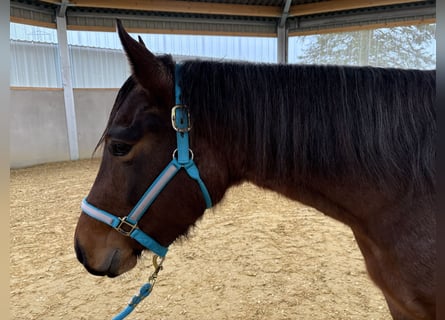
138, 143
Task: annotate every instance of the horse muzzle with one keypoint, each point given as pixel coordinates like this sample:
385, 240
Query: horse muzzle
105, 252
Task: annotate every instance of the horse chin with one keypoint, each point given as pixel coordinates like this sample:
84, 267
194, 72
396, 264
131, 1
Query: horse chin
115, 266
119, 265
111, 263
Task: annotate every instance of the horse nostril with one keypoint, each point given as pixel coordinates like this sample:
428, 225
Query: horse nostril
79, 252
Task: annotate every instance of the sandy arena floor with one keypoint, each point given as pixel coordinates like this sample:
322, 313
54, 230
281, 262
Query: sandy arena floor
254, 256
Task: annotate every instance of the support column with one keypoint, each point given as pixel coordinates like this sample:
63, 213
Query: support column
68, 95
283, 44
282, 34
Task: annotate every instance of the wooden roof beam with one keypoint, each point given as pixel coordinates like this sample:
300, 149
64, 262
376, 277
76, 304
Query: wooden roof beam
341, 5
232, 9
180, 7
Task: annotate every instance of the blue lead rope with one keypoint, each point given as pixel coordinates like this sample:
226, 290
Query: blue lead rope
143, 293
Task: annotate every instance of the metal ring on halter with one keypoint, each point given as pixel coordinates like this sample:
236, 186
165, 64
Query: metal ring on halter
190, 152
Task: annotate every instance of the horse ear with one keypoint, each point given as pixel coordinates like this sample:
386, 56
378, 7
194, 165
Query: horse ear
148, 70
141, 41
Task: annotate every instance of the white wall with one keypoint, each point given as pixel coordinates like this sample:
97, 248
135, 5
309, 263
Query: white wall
38, 132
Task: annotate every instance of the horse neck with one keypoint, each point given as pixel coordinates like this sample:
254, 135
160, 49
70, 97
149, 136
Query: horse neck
287, 129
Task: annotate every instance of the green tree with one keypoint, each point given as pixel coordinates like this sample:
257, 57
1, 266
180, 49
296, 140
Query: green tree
401, 47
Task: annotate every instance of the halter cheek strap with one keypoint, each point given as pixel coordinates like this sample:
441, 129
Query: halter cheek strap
182, 159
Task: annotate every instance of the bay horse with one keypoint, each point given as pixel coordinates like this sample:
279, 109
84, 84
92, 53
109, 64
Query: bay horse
356, 143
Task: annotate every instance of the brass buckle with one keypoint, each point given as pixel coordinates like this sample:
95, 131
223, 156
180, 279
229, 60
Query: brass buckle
125, 224
173, 117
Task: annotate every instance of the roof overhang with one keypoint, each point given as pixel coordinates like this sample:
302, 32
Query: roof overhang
213, 17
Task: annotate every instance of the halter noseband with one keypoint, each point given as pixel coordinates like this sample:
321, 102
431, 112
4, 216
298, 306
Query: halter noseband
182, 158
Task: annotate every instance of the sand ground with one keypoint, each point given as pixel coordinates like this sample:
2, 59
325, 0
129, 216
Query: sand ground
256, 255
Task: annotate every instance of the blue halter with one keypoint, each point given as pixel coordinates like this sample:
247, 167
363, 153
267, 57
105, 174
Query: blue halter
182, 158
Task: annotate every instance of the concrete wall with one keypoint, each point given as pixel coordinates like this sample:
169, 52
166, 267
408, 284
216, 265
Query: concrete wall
93, 106
38, 131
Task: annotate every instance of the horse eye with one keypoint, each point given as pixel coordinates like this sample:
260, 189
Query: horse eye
119, 149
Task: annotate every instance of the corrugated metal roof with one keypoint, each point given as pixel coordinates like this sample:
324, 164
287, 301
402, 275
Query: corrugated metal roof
232, 17
276, 3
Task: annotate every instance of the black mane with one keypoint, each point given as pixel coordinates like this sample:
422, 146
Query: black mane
329, 121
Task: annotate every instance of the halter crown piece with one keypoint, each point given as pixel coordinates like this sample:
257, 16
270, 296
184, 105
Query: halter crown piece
128, 225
